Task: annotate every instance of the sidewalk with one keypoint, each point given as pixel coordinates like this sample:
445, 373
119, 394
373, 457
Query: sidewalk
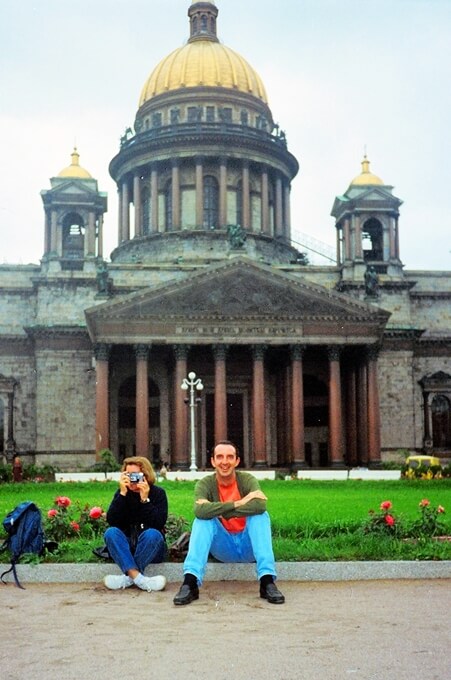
362, 630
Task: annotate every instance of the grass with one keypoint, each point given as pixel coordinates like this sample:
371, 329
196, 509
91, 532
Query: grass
312, 521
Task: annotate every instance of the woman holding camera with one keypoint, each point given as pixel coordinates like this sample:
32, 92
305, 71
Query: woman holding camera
135, 537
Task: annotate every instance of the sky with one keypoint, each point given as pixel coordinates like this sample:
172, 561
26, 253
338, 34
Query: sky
342, 77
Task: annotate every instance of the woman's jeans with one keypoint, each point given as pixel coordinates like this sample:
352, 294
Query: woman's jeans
254, 544
150, 549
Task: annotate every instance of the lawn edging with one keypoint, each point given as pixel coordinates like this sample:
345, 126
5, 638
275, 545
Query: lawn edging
287, 571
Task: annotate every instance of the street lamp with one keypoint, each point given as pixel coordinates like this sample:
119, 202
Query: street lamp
192, 384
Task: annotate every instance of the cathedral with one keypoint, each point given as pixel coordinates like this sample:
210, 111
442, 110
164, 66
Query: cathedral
302, 365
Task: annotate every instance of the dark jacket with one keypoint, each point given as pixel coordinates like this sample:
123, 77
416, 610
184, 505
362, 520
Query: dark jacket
127, 511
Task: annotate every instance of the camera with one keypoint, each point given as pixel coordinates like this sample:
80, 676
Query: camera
136, 477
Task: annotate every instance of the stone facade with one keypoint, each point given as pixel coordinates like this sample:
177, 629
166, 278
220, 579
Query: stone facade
302, 365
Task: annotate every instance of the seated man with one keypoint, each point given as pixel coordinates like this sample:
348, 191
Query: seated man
232, 524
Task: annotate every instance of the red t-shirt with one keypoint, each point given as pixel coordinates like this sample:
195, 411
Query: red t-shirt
227, 493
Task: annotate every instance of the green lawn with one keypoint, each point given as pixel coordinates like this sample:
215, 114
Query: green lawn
311, 520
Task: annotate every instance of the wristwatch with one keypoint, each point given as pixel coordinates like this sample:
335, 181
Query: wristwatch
146, 501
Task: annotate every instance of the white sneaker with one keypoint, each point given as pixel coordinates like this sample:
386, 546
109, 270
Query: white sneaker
150, 583
117, 582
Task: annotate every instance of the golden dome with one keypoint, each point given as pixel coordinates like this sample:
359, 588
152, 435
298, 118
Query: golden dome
203, 62
75, 170
366, 177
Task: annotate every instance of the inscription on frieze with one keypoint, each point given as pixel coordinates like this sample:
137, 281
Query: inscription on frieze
239, 330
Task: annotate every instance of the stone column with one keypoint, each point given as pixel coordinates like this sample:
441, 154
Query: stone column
265, 202
142, 400
351, 415
219, 353
297, 408
119, 215
246, 217
47, 234
100, 236
286, 210
180, 453
154, 198
358, 238
222, 192
362, 411
279, 208
137, 203
90, 236
125, 236
101, 353
347, 240
199, 194
258, 407
374, 427
335, 410
396, 239
175, 195
53, 233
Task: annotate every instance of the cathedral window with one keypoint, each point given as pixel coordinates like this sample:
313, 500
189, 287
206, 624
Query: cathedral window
168, 206
372, 242
441, 421
210, 202
203, 23
156, 120
210, 114
73, 236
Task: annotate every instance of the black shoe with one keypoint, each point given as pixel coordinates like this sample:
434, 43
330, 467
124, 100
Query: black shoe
186, 594
271, 593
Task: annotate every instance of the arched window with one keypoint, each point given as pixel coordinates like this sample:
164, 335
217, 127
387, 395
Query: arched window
203, 23
210, 202
145, 197
239, 203
73, 236
372, 240
168, 206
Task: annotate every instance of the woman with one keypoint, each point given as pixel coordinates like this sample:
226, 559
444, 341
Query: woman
135, 537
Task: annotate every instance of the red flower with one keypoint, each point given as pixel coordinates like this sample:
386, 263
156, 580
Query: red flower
386, 505
424, 503
389, 519
440, 509
75, 526
95, 512
63, 501
52, 513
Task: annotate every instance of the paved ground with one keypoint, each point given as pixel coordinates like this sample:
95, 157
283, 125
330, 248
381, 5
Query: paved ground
353, 630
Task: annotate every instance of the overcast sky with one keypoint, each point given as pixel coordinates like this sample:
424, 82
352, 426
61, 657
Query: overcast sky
341, 76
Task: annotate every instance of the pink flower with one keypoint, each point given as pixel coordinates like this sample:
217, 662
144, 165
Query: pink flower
95, 512
52, 513
389, 519
440, 509
63, 501
75, 526
386, 505
424, 503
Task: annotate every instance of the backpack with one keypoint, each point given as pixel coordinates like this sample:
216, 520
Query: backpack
25, 535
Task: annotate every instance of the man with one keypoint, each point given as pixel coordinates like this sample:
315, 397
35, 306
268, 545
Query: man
232, 524
137, 515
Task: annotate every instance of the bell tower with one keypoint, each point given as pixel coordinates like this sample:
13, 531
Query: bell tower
366, 220
74, 209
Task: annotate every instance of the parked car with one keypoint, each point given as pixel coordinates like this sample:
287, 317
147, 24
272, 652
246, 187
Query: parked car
426, 461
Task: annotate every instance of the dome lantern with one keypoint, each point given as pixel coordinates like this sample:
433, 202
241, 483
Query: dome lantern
202, 17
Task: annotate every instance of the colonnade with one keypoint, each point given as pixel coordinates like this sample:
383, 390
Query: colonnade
351, 436
274, 190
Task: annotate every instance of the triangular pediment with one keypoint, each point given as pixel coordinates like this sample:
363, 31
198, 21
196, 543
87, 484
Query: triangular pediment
74, 186
240, 293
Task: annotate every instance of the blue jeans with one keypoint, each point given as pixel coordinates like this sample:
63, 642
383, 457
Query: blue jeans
254, 544
150, 549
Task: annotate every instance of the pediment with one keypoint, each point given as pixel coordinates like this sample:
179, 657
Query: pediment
75, 186
240, 294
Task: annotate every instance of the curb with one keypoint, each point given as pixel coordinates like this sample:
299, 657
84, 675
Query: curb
287, 571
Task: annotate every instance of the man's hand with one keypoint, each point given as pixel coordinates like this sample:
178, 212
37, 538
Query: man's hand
201, 501
250, 496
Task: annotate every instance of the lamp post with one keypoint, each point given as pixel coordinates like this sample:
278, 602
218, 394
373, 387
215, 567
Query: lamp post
192, 384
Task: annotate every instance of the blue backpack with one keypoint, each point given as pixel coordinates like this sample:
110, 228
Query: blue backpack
25, 534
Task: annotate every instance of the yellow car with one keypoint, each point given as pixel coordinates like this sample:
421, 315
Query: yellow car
427, 461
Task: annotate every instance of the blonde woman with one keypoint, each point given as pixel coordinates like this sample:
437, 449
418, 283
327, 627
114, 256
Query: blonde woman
135, 537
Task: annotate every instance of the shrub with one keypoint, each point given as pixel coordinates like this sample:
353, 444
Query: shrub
383, 522
430, 522
65, 520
